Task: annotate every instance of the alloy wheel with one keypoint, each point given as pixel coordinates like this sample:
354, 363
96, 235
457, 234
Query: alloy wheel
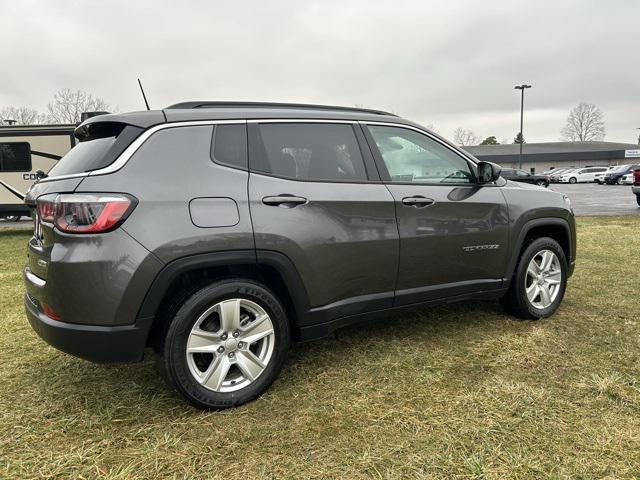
544, 277
230, 345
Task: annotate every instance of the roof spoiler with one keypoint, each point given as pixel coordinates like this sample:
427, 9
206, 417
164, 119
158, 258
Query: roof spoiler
85, 115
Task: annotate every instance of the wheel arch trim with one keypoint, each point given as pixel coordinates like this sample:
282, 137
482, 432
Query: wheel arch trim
279, 262
536, 223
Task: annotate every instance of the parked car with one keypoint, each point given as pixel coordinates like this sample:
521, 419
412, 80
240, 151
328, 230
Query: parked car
615, 176
636, 184
554, 177
628, 179
217, 233
599, 177
581, 175
525, 177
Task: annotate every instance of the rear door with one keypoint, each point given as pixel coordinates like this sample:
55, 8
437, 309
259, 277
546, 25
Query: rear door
453, 232
315, 198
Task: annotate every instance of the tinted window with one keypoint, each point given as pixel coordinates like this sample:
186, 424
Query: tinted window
100, 144
413, 157
15, 157
310, 151
229, 145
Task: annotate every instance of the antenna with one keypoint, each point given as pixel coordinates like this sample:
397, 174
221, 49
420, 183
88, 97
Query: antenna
143, 95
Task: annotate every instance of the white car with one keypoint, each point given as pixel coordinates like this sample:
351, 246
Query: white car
581, 175
627, 179
600, 176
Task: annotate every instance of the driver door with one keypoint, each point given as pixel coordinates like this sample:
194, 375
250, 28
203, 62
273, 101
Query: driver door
453, 232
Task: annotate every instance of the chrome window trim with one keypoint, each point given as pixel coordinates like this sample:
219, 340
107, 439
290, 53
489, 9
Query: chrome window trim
138, 142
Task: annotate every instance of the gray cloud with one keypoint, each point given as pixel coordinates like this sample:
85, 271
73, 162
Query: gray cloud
450, 63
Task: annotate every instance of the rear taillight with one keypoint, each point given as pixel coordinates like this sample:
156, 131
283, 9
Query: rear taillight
85, 212
47, 209
636, 176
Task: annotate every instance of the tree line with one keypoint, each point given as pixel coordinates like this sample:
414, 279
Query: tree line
66, 107
585, 123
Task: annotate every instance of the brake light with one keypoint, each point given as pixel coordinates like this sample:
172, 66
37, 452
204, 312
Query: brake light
636, 176
85, 212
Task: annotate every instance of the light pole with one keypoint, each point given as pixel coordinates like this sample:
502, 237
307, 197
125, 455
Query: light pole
638, 136
522, 89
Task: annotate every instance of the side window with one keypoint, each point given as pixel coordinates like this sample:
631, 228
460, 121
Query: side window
413, 157
15, 157
309, 151
229, 145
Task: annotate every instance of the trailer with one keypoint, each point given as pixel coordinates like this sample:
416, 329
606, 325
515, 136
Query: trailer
26, 150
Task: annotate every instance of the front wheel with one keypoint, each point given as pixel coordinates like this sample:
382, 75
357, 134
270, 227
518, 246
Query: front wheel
638, 199
540, 280
573, 180
226, 344
12, 218
619, 181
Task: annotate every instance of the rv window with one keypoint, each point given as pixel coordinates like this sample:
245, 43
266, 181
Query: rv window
15, 157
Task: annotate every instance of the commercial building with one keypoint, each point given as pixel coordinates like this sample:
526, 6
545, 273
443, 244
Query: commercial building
539, 157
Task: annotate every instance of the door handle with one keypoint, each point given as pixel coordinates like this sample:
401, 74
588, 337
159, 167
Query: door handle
418, 201
284, 200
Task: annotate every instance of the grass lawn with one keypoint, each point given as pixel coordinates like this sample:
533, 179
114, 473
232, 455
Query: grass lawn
453, 391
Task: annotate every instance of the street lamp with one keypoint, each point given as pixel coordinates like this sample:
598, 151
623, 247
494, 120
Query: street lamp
521, 88
638, 136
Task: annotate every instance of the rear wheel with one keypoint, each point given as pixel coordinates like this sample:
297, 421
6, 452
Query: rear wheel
541, 183
226, 344
638, 199
12, 218
538, 286
619, 181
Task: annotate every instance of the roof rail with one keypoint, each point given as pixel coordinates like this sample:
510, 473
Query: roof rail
296, 106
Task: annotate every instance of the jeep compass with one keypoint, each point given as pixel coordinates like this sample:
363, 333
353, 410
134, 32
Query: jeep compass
217, 233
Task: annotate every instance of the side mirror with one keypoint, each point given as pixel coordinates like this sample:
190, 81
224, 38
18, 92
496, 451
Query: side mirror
488, 172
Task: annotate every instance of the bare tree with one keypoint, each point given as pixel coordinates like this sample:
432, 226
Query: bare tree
22, 115
584, 123
464, 137
67, 105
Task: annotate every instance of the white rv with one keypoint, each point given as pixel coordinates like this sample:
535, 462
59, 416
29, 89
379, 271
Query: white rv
24, 150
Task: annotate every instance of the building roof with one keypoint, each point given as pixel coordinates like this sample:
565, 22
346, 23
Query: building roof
552, 151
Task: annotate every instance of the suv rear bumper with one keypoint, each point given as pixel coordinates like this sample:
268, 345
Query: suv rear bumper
95, 343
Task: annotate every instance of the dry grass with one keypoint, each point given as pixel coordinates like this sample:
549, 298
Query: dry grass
456, 391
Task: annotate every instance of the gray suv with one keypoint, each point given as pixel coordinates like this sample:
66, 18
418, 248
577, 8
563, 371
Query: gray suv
219, 232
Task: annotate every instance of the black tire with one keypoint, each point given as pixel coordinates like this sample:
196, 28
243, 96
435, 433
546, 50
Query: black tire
573, 180
12, 218
515, 301
638, 199
173, 358
542, 183
619, 181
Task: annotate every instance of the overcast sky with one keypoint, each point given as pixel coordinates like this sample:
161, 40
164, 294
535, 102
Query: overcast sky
447, 63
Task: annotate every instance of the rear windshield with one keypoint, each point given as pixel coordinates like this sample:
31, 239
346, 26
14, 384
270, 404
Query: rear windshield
100, 144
